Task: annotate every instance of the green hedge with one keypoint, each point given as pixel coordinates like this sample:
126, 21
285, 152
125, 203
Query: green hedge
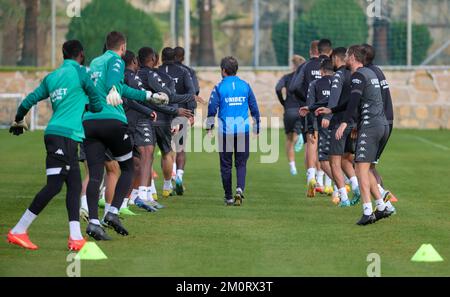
100, 17
24, 69
421, 42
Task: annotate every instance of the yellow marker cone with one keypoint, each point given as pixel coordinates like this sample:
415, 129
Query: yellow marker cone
90, 251
426, 253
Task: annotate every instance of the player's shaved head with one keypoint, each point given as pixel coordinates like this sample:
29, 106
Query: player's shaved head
168, 55
145, 55
179, 54
339, 53
314, 48
370, 53
114, 40
130, 61
326, 66
72, 49
129, 58
324, 47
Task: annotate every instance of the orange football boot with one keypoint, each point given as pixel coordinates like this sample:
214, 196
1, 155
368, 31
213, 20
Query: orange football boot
21, 240
76, 245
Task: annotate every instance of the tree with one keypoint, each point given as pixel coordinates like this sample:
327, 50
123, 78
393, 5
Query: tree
206, 43
140, 28
30, 35
11, 15
343, 22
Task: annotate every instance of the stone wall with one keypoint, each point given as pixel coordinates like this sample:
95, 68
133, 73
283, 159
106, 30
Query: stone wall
421, 98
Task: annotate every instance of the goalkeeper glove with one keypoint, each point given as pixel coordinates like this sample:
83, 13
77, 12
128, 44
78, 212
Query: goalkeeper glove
18, 127
114, 97
157, 98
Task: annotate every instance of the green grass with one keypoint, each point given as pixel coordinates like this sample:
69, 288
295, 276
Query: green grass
278, 232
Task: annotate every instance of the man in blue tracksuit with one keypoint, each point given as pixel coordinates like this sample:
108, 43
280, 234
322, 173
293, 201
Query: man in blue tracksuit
233, 97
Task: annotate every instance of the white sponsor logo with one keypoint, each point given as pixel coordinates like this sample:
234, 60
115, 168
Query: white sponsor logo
147, 140
326, 92
366, 105
59, 152
356, 81
95, 76
366, 117
363, 142
316, 73
58, 94
362, 149
363, 135
366, 122
365, 111
235, 100
361, 156
125, 137
147, 135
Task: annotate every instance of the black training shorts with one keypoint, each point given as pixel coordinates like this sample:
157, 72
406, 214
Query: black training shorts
62, 155
106, 134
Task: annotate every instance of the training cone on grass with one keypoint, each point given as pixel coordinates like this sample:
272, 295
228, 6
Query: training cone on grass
90, 251
393, 198
426, 253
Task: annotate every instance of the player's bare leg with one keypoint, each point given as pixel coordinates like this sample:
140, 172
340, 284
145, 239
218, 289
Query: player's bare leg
291, 139
347, 166
84, 209
167, 165
111, 178
311, 160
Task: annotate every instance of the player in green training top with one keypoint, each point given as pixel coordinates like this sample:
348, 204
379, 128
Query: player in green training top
109, 130
70, 89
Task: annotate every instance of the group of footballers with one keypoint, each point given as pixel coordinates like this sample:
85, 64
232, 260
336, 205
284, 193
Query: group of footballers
118, 109
124, 104
340, 104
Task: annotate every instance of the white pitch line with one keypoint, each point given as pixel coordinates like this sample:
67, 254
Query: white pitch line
424, 140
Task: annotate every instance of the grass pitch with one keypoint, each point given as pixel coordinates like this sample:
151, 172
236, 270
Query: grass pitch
277, 232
